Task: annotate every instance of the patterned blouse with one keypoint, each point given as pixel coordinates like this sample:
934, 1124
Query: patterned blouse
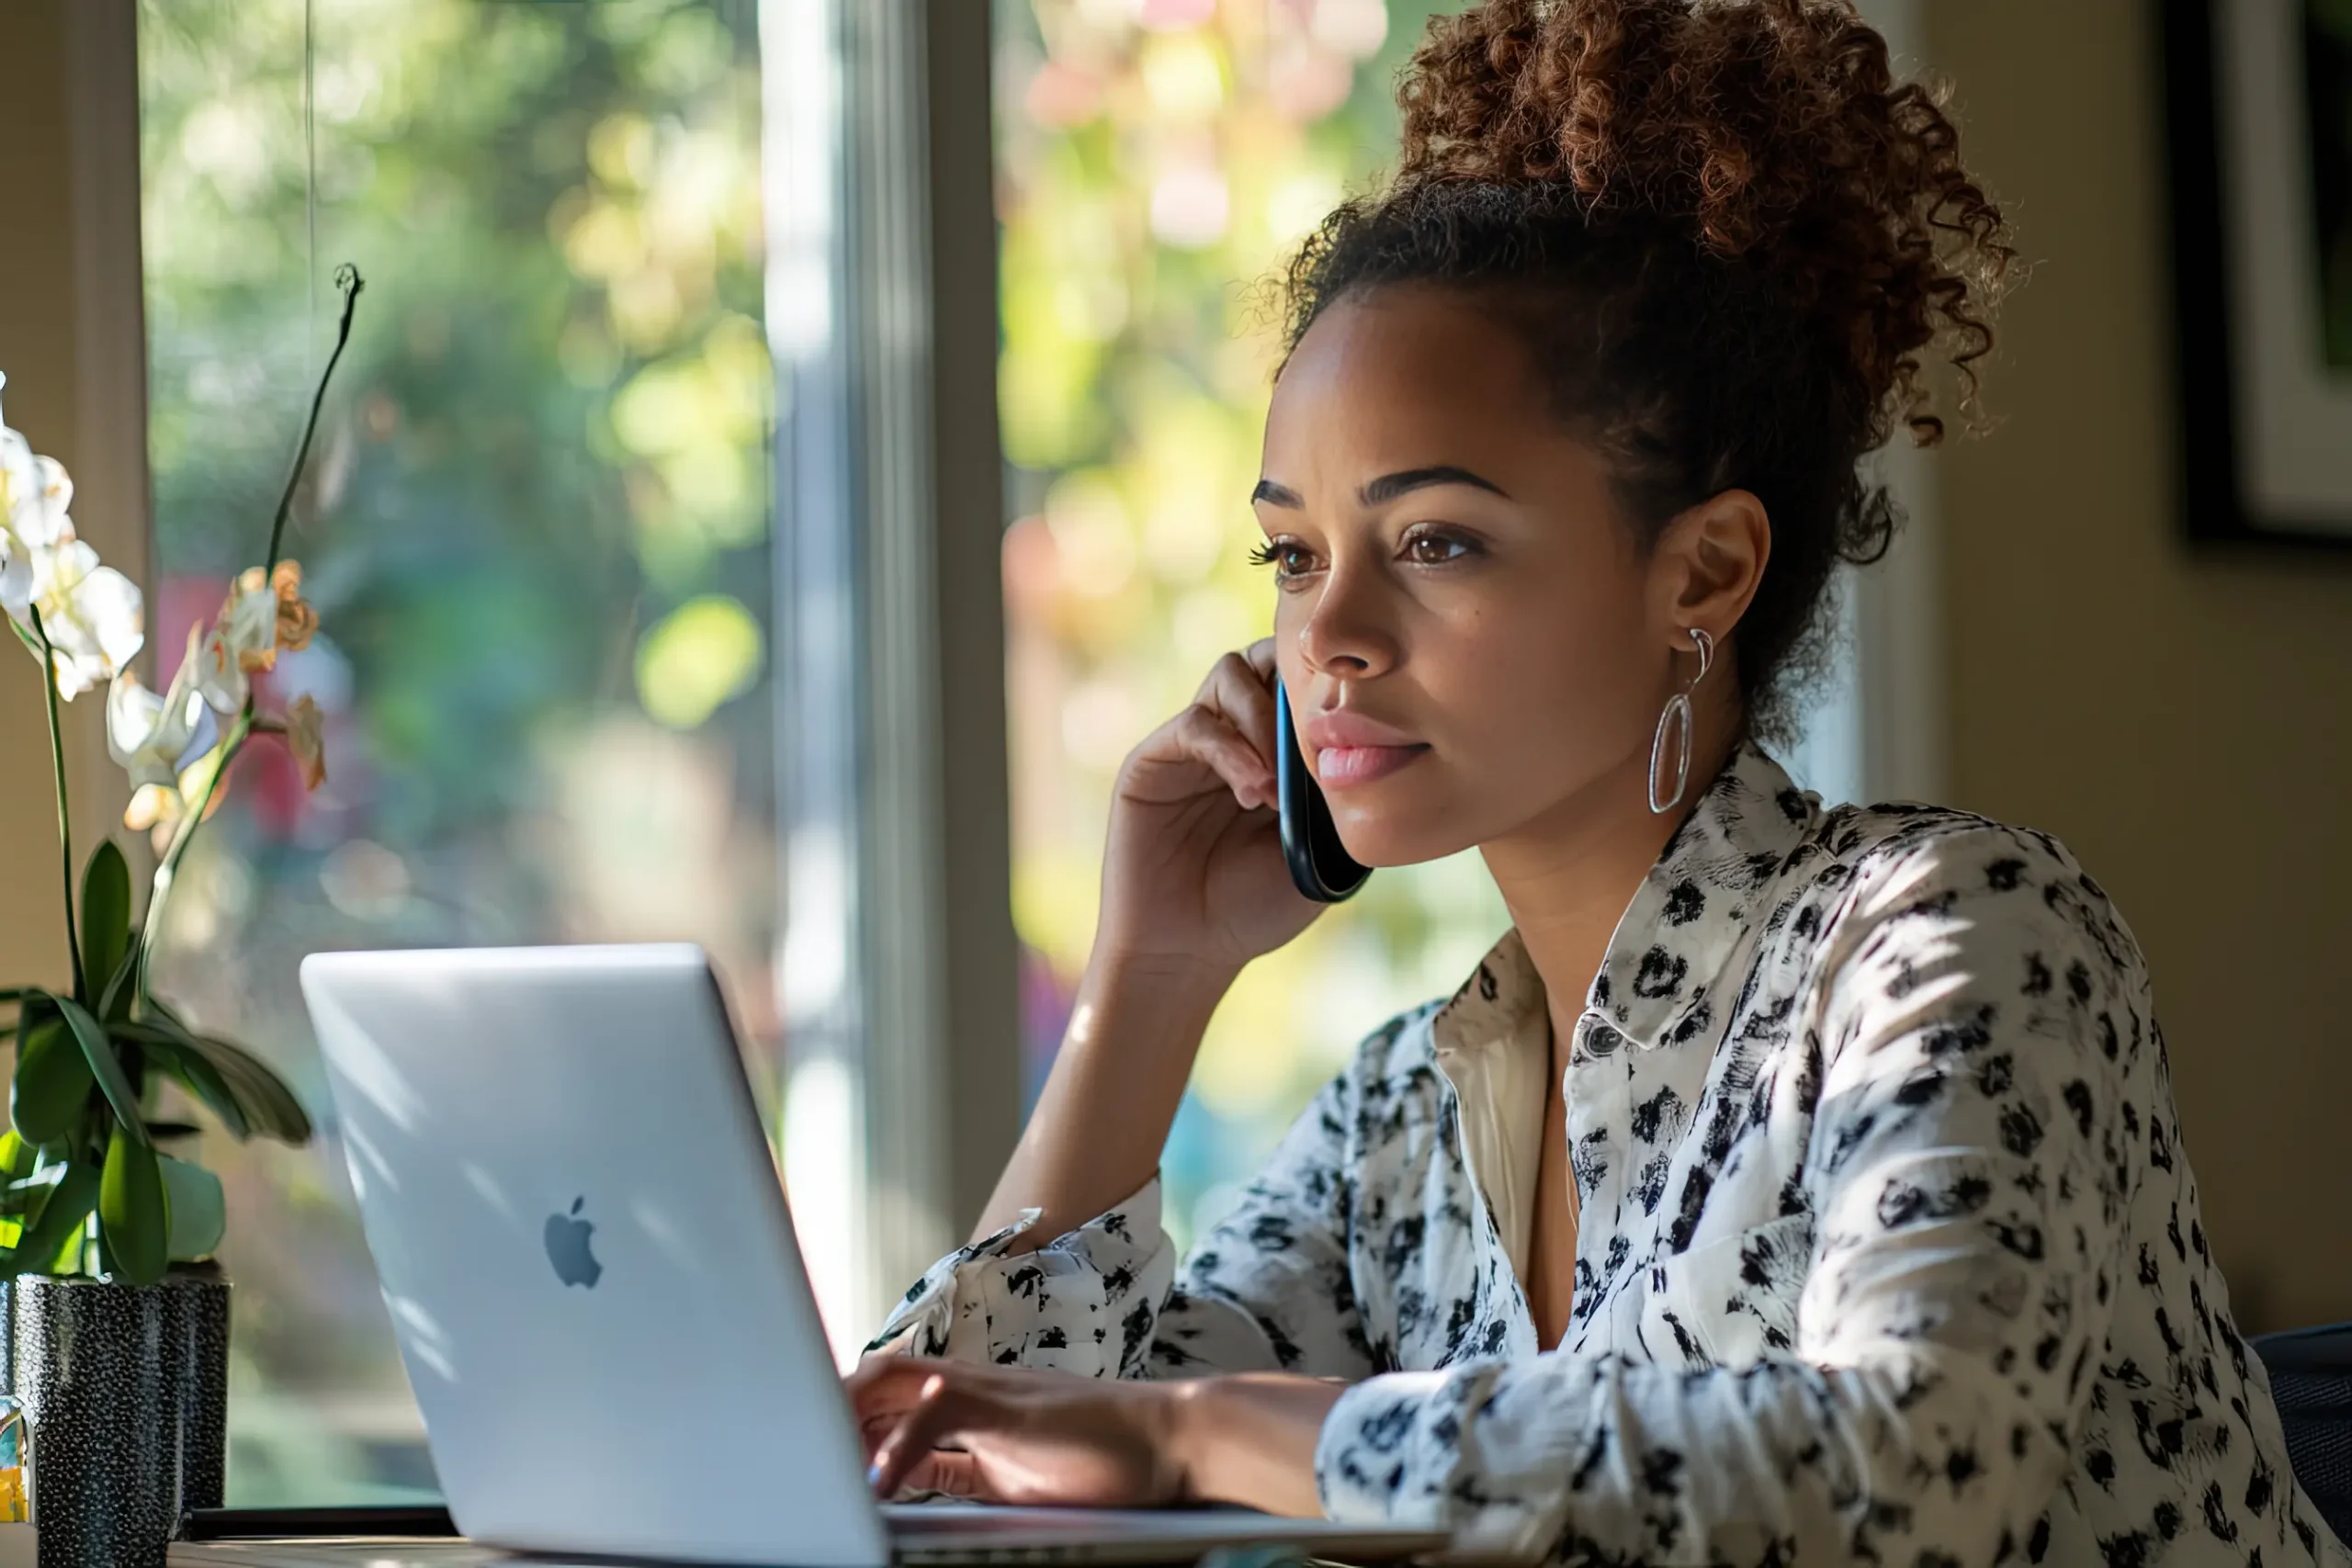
1888, 1249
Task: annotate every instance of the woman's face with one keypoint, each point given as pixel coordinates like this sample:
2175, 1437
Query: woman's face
1473, 638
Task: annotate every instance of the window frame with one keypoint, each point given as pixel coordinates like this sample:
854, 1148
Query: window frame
896, 508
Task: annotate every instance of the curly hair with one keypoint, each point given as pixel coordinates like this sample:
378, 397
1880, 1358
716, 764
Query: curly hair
1727, 235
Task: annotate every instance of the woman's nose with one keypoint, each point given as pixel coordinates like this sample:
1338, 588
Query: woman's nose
1347, 632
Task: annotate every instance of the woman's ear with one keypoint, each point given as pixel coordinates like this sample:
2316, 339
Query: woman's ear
1708, 563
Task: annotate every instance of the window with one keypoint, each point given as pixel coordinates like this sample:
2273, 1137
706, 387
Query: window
634, 526
1157, 160
539, 534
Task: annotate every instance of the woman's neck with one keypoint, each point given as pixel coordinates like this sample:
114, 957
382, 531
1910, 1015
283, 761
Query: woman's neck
1568, 875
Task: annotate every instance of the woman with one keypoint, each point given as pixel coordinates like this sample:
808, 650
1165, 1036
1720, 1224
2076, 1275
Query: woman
1789, 1185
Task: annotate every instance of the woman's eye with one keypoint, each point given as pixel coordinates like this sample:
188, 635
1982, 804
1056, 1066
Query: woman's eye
1287, 559
1436, 549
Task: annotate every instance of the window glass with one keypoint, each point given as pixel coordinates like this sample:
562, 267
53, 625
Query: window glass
536, 531
1156, 162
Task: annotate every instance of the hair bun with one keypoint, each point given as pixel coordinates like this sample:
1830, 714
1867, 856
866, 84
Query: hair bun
1769, 129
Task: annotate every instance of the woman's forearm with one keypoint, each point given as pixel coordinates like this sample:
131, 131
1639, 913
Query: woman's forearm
1103, 1119
1249, 1438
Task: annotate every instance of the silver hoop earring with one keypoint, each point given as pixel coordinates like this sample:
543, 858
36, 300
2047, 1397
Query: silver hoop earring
1677, 719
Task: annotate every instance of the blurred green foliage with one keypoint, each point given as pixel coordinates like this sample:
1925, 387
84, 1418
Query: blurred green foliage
1157, 164
537, 533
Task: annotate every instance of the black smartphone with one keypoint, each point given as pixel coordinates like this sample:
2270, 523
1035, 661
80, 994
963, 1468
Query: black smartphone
1319, 864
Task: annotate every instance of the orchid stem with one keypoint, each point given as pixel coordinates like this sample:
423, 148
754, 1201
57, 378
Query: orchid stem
347, 278
168, 872
64, 816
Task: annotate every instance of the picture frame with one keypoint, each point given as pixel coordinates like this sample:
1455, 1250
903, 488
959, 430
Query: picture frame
2257, 98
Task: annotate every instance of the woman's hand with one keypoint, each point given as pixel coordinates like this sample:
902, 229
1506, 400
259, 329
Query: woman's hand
1016, 1435
1193, 888
1193, 874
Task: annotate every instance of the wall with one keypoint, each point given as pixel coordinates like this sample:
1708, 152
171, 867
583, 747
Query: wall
72, 347
2183, 720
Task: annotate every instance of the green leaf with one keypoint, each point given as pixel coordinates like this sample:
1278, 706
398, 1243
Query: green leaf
114, 1002
24, 1198
198, 1212
104, 1065
200, 1078
134, 1217
268, 1107
16, 1155
105, 914
52, 1083
36, 1250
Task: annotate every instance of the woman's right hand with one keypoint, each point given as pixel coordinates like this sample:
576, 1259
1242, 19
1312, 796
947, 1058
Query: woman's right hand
1193, 872
1193, 888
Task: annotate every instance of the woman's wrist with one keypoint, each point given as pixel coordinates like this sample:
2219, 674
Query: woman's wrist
1118, 966
1249, 1438
1102, 1118
1151, 1004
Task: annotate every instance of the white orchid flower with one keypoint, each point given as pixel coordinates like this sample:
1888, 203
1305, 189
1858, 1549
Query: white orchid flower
262, 614
91, 614
147, 735
251, 623
19, 476
161, 804
266, 613
39, 512
221, 676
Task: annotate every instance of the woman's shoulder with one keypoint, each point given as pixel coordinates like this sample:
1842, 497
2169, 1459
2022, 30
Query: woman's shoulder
1943, 872
1908, 837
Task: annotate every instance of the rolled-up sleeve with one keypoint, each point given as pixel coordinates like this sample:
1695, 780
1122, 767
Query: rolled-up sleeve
1084, 1302
1269, 1288
1968, 1189
1272, 1287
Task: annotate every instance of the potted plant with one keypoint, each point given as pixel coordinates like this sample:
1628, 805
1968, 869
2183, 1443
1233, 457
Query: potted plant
116, 1322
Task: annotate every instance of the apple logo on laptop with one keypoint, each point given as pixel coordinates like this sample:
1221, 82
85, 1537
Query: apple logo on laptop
567, 1237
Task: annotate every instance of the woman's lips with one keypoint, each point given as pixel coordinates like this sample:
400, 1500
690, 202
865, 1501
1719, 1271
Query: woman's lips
1338, 767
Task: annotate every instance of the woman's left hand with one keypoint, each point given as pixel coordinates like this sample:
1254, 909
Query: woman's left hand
1017, 1435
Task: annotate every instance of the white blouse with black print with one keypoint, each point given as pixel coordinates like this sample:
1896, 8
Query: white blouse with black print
1888, 1250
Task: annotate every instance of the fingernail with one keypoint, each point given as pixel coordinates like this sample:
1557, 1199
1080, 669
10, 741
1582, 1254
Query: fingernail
873, 1476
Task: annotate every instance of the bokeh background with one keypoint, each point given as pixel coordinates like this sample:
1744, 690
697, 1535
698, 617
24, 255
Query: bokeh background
537, 535
540, 538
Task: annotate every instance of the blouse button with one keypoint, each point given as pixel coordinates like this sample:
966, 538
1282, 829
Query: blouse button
1600, 1038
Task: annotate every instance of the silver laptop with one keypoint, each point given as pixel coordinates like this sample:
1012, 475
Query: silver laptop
588, 1260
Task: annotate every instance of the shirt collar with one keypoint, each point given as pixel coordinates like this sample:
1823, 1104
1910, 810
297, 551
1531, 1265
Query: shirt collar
1691, 914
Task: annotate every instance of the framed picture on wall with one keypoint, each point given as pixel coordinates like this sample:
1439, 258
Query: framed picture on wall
2259, 115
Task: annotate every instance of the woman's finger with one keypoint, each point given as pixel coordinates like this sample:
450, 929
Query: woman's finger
880, 1381
1260, 655
952, 1472
939, 1410
1243, 696
1211, 736
882, 1392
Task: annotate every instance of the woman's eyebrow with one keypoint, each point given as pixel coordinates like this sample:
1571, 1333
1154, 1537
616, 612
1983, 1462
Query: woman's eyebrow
1385, 489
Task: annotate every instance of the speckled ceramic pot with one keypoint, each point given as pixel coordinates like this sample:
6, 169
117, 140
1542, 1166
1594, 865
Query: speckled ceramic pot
126, 1388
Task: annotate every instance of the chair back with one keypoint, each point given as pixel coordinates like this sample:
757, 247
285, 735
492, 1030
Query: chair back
2310, 1379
